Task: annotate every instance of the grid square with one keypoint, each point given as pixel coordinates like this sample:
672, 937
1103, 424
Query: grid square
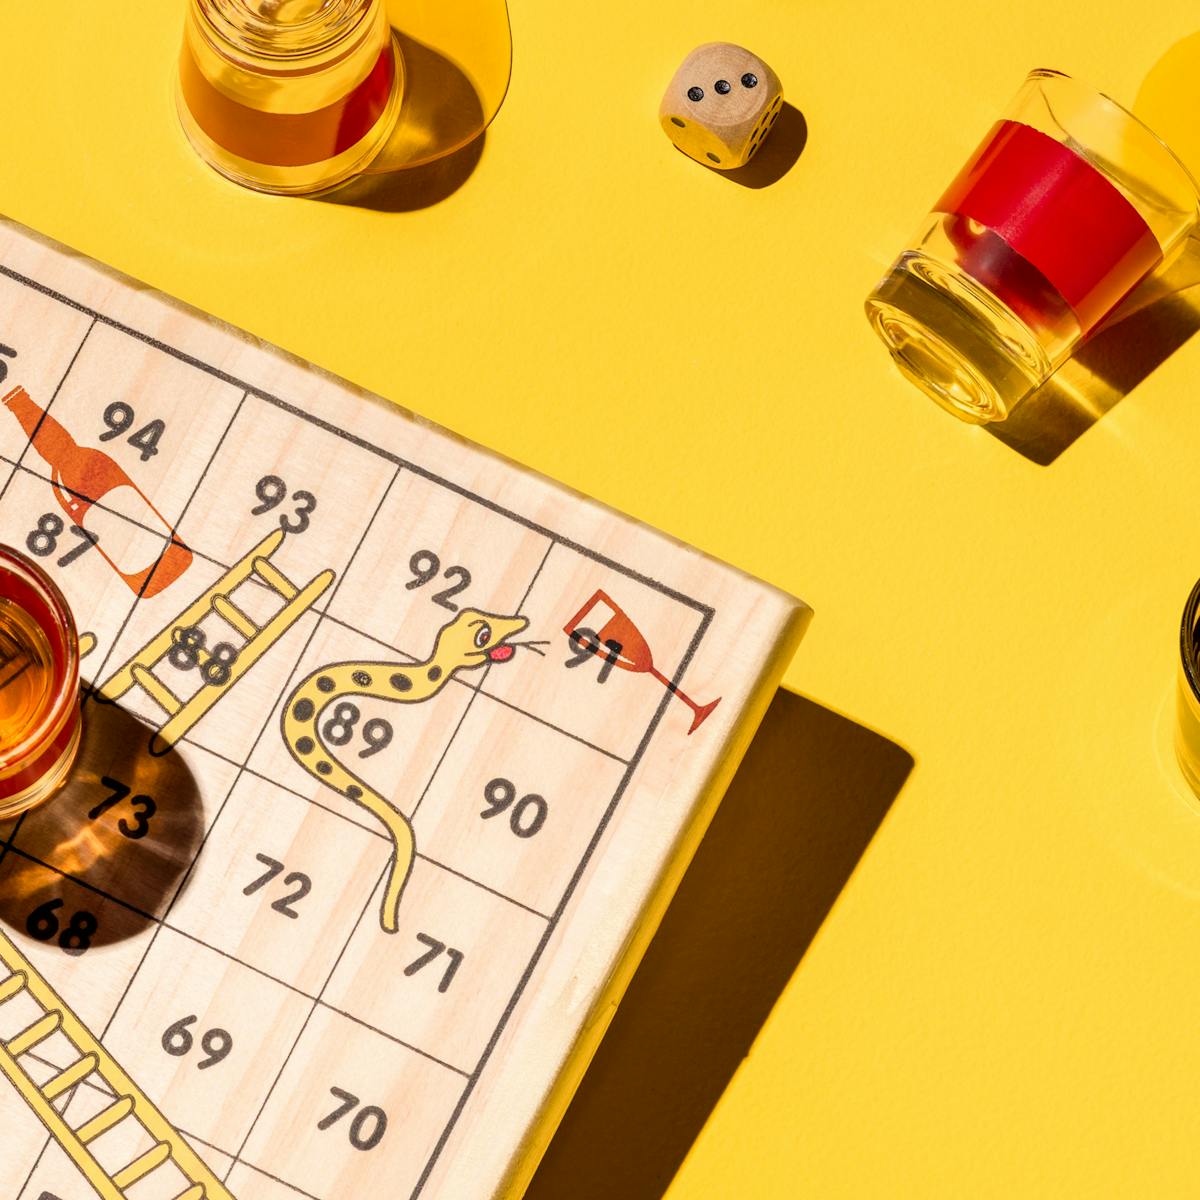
515, 804
493, 555
93, 981
260, 1021
343, 484
138, 848
99, 597
417, 733
446, 1009
194, 406
328, 866
46, 334
613, 714
416, 1095
233, 723
24, 1137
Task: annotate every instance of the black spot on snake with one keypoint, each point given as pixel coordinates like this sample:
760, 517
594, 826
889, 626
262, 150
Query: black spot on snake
323, 768
435, 673
401, 683
304, 745
303, 710
361, 678
325, 684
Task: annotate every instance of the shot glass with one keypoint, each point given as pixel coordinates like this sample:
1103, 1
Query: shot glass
289, 96
1187, 693
40, 718
1068, 203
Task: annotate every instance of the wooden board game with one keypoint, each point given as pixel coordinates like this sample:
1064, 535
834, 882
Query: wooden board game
393, 754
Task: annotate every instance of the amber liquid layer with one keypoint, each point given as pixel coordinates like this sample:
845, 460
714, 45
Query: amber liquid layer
29, 678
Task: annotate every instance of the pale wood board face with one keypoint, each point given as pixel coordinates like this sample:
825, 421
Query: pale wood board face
545, 804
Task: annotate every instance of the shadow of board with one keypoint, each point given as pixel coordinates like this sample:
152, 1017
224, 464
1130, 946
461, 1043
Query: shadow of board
115, 851
441, 129
802, 809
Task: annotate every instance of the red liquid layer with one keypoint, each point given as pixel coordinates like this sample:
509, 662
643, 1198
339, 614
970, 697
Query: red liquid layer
1072, 238
287, 139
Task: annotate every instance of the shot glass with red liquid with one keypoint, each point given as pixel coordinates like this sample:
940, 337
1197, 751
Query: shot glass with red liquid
1066, 206
289, 96
39, 685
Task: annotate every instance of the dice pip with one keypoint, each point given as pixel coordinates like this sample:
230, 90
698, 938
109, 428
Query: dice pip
721, 104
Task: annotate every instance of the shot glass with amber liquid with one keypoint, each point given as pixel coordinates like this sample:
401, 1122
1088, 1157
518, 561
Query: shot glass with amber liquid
40, 717
292, 97
1066, 206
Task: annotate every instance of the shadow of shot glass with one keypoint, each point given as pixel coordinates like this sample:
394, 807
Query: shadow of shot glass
1156, 320
101, 861
799, 814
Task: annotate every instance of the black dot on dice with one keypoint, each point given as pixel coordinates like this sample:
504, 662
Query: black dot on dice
749, 80
722, 86
305, 745
361, 678
677, 121
325, 684
401, 683
302, 710
695, 93
323, 768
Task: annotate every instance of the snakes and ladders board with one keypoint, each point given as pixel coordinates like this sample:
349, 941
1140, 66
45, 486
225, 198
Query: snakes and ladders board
393, 755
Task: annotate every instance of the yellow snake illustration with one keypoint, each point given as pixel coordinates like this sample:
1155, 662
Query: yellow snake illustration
473, 639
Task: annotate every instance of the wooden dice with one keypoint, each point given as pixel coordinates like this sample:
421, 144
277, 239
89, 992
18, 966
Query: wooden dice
721, 105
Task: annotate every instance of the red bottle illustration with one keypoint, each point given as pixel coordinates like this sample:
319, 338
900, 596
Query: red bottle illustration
82, 476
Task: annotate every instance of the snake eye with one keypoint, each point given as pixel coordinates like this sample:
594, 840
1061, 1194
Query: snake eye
483, 635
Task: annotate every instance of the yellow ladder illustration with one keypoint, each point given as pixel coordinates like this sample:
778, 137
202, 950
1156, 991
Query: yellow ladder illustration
182, 715
130, 1101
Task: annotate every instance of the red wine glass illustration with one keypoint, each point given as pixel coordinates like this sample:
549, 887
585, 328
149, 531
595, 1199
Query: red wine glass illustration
621, 644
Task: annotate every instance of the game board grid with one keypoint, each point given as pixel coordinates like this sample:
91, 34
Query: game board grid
371, 894
706, 611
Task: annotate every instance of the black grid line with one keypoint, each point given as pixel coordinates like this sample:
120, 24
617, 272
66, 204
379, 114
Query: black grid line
322, 614
416, 468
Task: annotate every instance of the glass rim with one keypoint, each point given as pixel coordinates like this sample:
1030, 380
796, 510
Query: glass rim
57, 709
1053, 73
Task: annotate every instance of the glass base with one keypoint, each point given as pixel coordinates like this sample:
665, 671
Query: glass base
48, 784
955, 340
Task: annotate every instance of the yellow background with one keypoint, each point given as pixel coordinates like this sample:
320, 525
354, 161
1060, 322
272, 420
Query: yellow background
1002, 1001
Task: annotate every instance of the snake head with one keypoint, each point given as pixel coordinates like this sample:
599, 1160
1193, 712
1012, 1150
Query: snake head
476, 638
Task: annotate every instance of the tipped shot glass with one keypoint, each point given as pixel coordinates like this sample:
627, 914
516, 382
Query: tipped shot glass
1066, 206
292, 97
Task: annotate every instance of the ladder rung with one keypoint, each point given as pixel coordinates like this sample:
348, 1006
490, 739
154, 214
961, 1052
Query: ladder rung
39, 1031
150, 1161
274, 577
195, 1192
226, 609
156, 689
104, 1121
15, 983
70, 1077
